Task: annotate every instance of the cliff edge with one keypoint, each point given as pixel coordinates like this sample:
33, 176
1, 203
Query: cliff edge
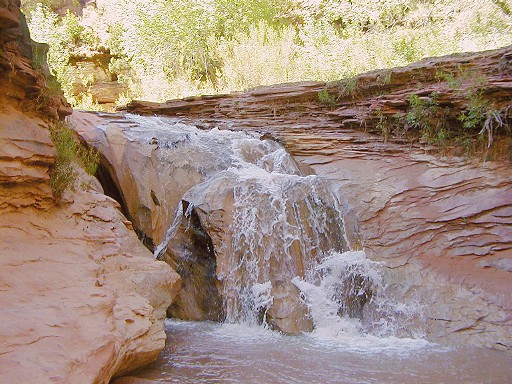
82, 299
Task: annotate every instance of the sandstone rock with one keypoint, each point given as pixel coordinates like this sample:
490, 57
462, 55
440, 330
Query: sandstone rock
81, 298
433, 221
25, 157
22, 85
357, 100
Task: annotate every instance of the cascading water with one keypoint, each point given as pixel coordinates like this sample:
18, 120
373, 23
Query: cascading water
281, 226
348, 305
267, 224
251, 235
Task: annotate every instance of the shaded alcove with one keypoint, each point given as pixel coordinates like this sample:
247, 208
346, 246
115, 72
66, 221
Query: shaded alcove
192, 255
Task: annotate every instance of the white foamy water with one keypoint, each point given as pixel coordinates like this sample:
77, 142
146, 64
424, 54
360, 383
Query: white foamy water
171, 232
346, 283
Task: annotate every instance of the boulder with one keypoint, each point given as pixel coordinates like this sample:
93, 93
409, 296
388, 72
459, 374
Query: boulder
82, 299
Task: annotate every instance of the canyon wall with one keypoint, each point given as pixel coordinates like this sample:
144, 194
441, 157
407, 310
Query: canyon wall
440, 223
82, 299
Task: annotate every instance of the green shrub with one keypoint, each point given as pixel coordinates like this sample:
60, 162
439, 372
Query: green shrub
69, 154
426, 116
348, 87
475, 114
327, 99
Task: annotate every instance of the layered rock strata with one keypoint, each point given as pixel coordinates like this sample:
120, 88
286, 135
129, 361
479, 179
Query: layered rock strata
82, 299
441, 225
357, 103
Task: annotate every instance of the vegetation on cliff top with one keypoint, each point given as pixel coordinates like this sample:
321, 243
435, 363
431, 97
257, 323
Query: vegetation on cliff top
164, 49
459, 115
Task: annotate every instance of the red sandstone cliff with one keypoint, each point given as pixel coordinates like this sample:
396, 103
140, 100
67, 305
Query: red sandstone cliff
82, 300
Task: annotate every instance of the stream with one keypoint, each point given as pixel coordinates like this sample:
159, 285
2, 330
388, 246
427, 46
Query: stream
209, 352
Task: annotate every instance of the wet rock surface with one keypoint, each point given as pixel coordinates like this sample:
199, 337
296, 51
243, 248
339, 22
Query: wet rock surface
244, 228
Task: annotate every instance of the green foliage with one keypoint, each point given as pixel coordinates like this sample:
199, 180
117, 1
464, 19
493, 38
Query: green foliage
386, 77
348, 87
479, 115
426, 116
85, 101
242, 69
455, 80
476, 112
174, 48
383, 124
327, 99
505, 6
65, 36
69, 153
230, 18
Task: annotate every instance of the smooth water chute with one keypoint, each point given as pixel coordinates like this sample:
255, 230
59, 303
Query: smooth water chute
171, 232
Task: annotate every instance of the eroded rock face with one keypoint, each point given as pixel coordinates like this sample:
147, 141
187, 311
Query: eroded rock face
26, 154
104, 87
440, 225
82, 299
23, 86
358, 103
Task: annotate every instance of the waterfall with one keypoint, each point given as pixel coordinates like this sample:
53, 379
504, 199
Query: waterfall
282, 226
255, 239
171, 232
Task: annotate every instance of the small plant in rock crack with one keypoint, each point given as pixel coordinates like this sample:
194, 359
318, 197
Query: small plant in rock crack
426, 116
495, 119
326, 98
456, 79
383, 125
348, 87
482, 115
69, 155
